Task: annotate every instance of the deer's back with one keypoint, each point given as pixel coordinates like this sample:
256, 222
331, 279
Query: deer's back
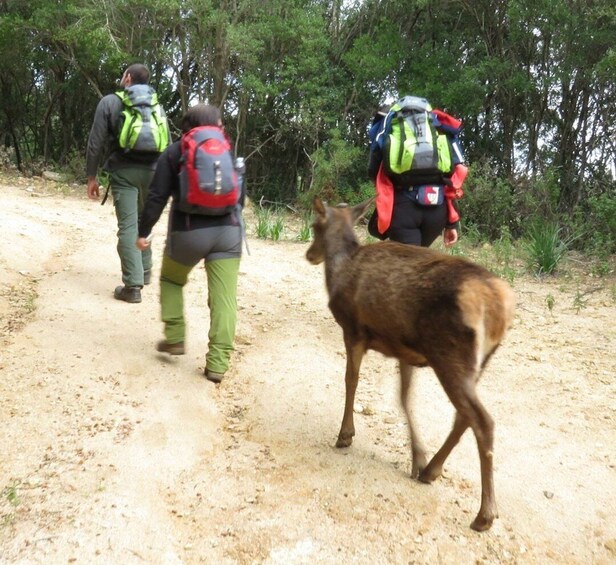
404, 297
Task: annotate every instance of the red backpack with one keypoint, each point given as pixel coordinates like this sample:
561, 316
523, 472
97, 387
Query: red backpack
208, 180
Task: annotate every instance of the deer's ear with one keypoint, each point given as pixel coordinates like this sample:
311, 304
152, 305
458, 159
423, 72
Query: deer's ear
360, 209
319, 207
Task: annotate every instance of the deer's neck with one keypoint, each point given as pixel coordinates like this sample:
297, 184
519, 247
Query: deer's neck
337, 260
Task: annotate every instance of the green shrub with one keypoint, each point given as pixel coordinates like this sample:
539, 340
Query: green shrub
276, 227
339, 173
536, 199
264, 221
488, 203
602, 217
545, 247
305, 231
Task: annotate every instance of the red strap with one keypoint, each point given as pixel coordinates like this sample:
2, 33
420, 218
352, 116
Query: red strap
384, 200
452, 213
447, 120
460, 172
455, 192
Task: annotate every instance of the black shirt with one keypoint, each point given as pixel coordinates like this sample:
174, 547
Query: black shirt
166, 184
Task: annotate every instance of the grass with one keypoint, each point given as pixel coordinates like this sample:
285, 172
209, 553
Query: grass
545, 247
276, 227
11, 494
264, 219
270, 225
579, 301
542, 252
305, 230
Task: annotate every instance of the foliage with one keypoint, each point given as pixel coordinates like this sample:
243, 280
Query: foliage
601, 218
298, 81
276, 227
264, 222
335, 175
305, 230
488, 203
546, 247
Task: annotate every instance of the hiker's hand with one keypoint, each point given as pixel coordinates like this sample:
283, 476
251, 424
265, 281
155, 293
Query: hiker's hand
142, 243
450, 236
93, 193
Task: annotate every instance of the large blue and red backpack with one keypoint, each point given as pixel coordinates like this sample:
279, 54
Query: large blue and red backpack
420, 146
208, 180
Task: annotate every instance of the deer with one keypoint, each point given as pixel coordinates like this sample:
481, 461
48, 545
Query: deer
423, 308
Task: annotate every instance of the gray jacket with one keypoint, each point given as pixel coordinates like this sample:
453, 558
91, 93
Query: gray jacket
103, 144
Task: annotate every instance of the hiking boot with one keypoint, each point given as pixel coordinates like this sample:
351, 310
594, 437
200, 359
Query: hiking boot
130, 294
171, 348
211, 376
147, 276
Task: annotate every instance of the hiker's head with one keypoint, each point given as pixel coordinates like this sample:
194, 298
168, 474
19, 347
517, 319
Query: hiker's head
201, 115
382, 111
135, 74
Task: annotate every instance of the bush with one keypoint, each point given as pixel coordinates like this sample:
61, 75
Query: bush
545, 247
602, 219
488, 203
7, 158
264, 221
339, 173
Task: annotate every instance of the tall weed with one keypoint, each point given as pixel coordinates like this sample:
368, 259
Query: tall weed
264, 221
276, 227
545, 247
305, 230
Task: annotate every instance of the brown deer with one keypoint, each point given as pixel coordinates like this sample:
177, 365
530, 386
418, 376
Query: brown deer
424, 308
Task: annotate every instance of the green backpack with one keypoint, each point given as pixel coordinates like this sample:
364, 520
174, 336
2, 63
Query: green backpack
414, 147
143, 126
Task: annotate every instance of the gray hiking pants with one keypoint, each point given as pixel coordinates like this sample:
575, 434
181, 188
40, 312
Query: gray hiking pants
129, 188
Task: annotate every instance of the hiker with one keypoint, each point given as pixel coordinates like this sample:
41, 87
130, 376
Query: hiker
414, 205
198, 231
129, 132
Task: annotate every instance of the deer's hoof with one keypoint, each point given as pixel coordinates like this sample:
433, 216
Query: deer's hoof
429, 475
344, 440
416, 471
482, 523
419, 464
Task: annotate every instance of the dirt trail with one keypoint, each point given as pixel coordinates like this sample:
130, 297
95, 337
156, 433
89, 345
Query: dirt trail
113, 453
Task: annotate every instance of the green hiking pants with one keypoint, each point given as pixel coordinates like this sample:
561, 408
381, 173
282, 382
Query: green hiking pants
222, 302
129, 188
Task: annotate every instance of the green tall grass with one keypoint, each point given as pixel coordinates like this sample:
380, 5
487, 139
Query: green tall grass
276, 227
305, 231
264, 221
545, 247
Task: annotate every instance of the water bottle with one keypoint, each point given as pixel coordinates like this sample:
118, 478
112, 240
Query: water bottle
240, 168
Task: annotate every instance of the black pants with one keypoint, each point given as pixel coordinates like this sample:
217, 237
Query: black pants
414, 224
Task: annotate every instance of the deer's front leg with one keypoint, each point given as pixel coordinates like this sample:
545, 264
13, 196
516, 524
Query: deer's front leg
355, 353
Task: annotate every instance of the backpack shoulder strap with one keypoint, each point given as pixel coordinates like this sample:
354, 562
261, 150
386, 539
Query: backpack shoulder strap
385, 129
123, 96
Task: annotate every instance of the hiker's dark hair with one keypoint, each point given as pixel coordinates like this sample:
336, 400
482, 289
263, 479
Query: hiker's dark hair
138, 73
383, 110
200, 115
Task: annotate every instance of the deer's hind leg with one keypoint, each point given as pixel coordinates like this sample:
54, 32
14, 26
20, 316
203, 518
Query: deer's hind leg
418, 451
469, 412
434, 469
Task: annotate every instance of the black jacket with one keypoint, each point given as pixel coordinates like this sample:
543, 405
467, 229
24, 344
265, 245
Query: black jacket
165, 185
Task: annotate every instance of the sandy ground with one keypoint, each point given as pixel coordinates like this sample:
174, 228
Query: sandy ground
113, 453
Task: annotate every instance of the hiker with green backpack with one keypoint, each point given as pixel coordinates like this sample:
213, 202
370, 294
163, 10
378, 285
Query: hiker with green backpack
416, 162
129, 132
